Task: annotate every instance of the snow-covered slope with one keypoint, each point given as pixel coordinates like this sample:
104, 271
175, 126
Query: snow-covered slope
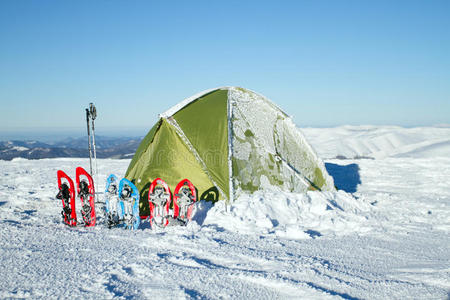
384, 235
379, 141
295, 216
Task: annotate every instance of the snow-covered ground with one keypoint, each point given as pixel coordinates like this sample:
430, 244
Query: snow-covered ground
384, 235
380, 141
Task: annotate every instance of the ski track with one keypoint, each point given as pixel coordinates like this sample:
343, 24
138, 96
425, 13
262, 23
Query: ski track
403, 255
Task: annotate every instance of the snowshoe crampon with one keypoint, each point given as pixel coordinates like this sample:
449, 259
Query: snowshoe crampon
129, 204
159, 198
184, 198
67, 195
86, 193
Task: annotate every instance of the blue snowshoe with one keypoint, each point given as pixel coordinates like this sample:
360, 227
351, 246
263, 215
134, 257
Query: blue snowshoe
129, 196
114, 208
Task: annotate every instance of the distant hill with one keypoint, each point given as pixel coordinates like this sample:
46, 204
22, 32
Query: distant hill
379, 141
344, 142
101, 142
106, 147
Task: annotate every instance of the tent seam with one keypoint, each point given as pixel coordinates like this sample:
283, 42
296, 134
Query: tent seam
230, 146
188, 144
176, 108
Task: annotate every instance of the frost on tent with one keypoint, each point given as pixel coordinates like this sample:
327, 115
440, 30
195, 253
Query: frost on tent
268, 150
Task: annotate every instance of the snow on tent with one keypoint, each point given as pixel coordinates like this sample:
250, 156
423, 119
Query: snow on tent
227, 141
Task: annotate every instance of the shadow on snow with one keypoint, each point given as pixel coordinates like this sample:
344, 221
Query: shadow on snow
346, 177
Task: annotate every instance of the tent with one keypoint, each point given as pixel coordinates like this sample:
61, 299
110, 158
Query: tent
227, 141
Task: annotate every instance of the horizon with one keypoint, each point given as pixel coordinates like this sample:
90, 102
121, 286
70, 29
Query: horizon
51, 135
326, 64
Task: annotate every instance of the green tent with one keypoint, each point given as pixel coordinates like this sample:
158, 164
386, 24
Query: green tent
227, 141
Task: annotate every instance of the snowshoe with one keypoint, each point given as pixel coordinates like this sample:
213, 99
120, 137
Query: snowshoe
86, 193
113, 205
184, 199
67, 195
159, 198
129, 198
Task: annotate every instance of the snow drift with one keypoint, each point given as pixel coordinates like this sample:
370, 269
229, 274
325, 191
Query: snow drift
290, 215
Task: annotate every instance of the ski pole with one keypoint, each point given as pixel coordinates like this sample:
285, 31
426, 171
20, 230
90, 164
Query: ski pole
89, 139
93, 113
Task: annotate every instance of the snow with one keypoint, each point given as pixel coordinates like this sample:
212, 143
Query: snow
380, 141
174, 109
384, 235
268, 150
296, 216
20, 148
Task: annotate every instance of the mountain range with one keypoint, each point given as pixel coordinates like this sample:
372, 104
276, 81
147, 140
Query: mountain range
343, 142
106, 147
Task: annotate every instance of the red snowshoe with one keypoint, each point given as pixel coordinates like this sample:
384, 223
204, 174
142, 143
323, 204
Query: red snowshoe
86, 193
159, 198
67, 195
183, 201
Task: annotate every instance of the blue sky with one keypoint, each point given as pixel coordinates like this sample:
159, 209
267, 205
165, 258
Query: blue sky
326, 63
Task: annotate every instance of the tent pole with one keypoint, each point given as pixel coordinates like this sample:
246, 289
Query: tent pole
230, 151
